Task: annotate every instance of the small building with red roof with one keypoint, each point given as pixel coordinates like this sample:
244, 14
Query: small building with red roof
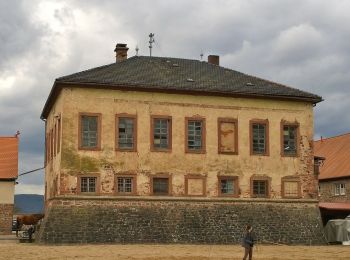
334, 175
8, 176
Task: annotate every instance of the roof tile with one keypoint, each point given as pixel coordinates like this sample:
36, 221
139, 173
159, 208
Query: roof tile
336, 150
8, 157
173, 74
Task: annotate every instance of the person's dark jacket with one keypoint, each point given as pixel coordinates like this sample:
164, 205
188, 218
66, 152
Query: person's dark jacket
248, 239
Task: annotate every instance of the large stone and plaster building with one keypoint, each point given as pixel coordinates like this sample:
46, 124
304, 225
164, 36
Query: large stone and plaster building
155, 149
8, 176
334, 176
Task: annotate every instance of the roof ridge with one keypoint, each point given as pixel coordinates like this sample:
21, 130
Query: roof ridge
165, 57
332, 137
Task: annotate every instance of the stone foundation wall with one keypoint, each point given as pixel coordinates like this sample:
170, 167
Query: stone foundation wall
6, 213
74, 220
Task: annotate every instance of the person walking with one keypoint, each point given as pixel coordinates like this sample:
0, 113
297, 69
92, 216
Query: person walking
248, 241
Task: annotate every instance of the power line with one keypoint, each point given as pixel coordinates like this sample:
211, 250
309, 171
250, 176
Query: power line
23, 173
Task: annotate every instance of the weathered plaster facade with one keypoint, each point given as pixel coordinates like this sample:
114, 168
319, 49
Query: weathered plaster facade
69, 162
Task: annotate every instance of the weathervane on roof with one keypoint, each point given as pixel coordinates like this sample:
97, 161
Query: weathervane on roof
151, 40
137, 50
201, 55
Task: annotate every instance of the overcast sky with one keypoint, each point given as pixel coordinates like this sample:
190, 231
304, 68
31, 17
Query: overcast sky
304, 44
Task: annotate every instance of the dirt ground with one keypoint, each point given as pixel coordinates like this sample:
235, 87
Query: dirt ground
15, 250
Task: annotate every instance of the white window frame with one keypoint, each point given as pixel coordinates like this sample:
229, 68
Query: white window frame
339, 189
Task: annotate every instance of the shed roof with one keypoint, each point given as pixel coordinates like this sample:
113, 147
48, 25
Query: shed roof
336, 151
178, 75
8, 157
335, 205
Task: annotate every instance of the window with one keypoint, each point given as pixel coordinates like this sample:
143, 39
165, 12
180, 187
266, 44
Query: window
46, 149
126, 132
259, 142
126, 184
289, 139
58, 134
195, 135
195, 185
90, 131
88, 184
51, 144
339, 189
228, 186
160, 185
227, 136
160, 133
55, 140
291, 187
260, 186
319, 190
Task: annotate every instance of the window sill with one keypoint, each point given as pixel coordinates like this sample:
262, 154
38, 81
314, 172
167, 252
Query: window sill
89, 149
125, 150
160, 150
195, 152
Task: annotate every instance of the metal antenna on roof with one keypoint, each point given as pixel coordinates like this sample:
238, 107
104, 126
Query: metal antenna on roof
201, 55
137, 50
151, 40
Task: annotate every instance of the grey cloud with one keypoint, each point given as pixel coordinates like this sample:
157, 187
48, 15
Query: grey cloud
18, 34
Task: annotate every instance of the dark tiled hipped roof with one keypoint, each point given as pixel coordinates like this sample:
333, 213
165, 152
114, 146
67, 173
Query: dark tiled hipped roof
193, 76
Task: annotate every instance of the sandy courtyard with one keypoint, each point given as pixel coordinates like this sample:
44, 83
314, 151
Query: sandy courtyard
169, 252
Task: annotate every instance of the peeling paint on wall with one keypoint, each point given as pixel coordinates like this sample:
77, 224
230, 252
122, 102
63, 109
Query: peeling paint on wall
108, 162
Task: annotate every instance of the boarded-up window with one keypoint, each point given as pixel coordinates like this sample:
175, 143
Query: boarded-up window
195, 185
228, 136
291, 187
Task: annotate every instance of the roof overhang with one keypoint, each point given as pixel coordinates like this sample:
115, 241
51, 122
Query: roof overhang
8, 179
335, 206
333, 178
58, 86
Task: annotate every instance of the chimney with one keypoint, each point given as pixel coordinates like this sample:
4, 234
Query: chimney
121, 52
213, 59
